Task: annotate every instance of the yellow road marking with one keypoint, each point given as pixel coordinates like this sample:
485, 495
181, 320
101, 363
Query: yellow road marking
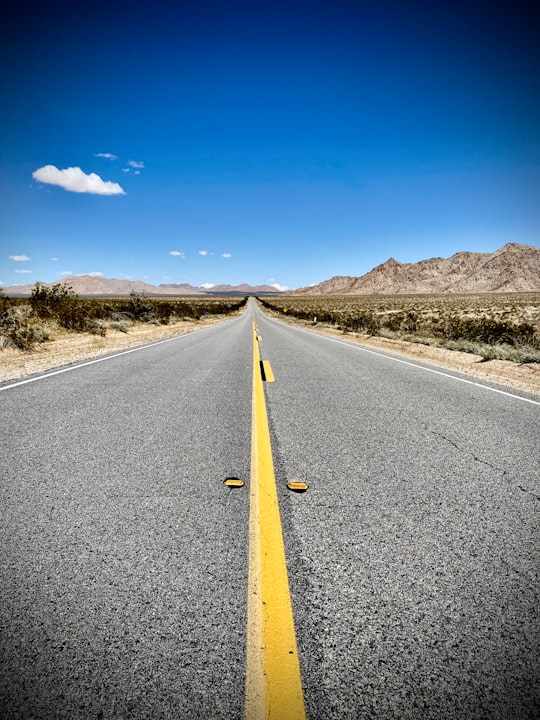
268, 374
273, 681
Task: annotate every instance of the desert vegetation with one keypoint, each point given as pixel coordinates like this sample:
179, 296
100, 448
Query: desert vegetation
503, 326
25, 322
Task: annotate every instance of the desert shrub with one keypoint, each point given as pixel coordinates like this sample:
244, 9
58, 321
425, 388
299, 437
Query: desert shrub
21, 320
120, 325
488, 331
511, 353
365, 322
410, 322
96, 327
136, 307
19, 330
59, 302
393, 321
48, 302
140, 307
119, 317
484, 320
164, 310
77, 315
5, 302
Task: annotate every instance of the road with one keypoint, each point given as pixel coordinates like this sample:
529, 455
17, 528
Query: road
412, 558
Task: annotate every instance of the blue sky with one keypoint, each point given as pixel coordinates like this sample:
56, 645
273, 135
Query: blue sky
264, 142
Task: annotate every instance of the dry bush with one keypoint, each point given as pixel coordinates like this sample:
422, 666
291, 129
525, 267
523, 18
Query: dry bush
509, 322
19, 329
23, 323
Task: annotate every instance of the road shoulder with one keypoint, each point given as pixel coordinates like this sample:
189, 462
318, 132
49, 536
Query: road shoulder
524, 377
72, 347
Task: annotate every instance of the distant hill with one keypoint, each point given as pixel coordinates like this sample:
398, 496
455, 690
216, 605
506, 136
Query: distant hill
91, 285
512, 268
242, 290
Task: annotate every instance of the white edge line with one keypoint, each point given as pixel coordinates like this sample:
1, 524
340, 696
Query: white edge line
102, 359
406, 362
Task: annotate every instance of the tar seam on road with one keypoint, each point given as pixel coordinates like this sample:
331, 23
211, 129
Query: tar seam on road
415, 365
273, 681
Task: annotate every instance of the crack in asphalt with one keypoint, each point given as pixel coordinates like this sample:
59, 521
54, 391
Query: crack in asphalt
461, 450
503, 472
529, 492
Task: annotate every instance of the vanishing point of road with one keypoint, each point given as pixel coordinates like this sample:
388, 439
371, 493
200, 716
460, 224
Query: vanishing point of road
136, 583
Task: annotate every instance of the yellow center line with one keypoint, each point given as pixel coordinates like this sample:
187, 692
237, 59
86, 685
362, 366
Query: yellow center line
273, 682
268, 374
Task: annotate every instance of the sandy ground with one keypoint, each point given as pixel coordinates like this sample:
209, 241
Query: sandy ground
75, 347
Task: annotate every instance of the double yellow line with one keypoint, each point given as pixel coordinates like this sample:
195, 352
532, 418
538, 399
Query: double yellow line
273, 682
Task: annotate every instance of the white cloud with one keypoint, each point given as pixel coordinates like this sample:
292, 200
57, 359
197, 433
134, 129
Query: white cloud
19, 258
281, 288
55, 259
23, 271
207, 286
203, 252
65, 273
108, 156
226, 255
177, 253
95, 274
75, 180
135, 164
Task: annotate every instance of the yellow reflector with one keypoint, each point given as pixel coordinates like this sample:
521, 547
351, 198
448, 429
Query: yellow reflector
233, 482
297, 485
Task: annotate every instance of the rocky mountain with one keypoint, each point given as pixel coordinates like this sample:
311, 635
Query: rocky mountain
512, 268
242, 289
95, 285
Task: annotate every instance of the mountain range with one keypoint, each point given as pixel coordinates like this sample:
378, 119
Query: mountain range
511, 268
100, 286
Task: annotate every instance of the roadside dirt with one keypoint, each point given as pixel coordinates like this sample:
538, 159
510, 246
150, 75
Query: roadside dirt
75, 347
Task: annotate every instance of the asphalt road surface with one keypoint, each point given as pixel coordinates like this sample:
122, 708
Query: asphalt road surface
412, 557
